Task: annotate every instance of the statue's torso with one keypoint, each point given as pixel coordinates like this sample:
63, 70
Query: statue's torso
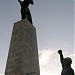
67, 71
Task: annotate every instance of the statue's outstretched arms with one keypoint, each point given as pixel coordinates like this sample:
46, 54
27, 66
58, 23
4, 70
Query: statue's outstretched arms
31, 2
61, 56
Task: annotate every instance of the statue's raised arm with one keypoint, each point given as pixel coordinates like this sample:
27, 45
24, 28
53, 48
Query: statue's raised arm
61, 56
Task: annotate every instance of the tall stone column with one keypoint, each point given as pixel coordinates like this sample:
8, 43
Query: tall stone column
23, 51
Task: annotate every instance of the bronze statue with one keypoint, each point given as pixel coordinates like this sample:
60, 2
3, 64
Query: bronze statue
25, 12
66, 64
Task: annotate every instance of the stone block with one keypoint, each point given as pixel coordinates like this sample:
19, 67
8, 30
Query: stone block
23, 52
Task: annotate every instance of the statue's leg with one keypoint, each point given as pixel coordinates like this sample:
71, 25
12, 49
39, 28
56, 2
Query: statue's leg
25, 13
29, 17
22, 14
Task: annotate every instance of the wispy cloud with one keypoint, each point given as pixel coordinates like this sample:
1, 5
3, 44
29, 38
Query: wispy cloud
1, 74
45, 55
72, 55
47, 58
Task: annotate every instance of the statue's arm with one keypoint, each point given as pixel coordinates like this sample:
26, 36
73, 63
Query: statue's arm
61, 56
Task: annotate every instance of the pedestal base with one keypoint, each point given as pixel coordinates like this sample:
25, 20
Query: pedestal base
23, 51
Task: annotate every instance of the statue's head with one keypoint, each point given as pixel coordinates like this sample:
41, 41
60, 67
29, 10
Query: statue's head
68, 61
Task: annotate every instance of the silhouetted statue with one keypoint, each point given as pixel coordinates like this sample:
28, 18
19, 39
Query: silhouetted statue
25, 12
66, 64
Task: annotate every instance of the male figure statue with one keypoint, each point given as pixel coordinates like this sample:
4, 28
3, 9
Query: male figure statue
25, 12
66, 64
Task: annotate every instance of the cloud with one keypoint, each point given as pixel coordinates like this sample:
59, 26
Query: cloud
45, 55
72, 55
48, 59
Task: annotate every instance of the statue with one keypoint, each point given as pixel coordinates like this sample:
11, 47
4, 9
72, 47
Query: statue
25, 12
66, 64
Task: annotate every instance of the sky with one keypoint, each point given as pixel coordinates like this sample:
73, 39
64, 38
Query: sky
54, 22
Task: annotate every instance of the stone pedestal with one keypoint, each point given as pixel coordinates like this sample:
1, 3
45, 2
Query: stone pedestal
23, 51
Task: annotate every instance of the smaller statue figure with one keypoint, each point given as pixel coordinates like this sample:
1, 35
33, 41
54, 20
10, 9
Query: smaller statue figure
66, 64
25, 12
